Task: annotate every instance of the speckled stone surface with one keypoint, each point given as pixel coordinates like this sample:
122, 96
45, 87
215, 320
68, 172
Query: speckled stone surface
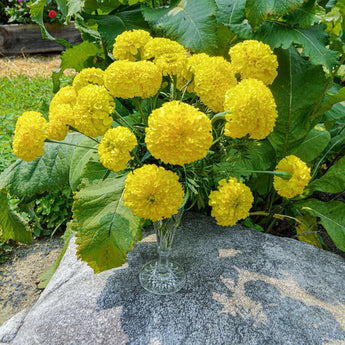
243, 287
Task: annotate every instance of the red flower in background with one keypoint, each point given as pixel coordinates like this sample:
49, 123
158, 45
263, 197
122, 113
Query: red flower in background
52, 14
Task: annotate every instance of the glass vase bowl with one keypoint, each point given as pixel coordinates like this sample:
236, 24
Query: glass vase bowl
161, 276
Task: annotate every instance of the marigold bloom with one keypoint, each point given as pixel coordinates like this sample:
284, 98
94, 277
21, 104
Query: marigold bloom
29, 136
178, 133
212, 78
92, 110
115, 148
66, 95
170, 56
59, 117
127, 79
253, 110
254, 59
130, 44
300, 177
151, 192
88, 76
231, 202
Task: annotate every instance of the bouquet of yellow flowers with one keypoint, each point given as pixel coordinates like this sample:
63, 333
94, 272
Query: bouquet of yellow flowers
162, 129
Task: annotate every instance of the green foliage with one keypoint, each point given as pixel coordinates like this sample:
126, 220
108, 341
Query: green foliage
106, 229
190, 23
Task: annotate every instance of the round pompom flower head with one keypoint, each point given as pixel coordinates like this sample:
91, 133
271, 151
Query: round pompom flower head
52, 14
254, 59
178, 133
299, 177
253, 110
130, 45
115, 148
152, 192
29, 136
213, 76
231, 202
128, 79
92, 110
88, 76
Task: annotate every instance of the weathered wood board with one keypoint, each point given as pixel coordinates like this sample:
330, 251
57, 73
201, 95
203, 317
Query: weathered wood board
27, 38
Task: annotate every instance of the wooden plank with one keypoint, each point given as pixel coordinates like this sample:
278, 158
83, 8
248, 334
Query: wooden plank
27, 38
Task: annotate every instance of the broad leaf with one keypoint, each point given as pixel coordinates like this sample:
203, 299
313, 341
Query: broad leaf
48, 172
332, 100
314, 41
78, 56
307, 230
109, 26
80, 158
298, 86
304, 16
332, 217
106, 229
105, 6
62, 5
191, 23
231, 11
258, 10
313, 144
74, 7
333, 181
13, 225
36, 13
337, 112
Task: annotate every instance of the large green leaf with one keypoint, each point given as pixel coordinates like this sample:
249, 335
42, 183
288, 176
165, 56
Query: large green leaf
78, 56
231, 11
13, 225
314, 41
62, 5
333, 98
258, 10
331, 216
191, 23
331, 182
298, 86
48, 172
80, 158
74, 7
109, 26
106, 229
313, 144
304, 16
36, 13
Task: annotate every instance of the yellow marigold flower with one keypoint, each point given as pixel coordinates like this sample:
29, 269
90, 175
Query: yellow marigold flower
231, 202
178, 133
253, 110
127, 79
29, 136
130, 44
60, 116
254, 59
300, 177
152, 192
92, 110
115, 147
88, 76
66, 95
195, 60
212, 78
170, 56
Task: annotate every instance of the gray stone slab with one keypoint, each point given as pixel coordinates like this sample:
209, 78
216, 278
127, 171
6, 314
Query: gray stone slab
243, 287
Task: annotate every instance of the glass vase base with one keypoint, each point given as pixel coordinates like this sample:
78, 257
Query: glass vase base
166, 282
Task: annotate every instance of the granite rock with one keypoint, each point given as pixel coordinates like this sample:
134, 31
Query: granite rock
243, 287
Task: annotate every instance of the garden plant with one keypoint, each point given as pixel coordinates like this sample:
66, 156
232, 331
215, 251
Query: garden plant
232, 108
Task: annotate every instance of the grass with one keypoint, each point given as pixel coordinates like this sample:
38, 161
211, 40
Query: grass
17, 95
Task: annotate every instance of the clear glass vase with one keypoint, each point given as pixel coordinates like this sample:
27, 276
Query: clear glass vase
163, 277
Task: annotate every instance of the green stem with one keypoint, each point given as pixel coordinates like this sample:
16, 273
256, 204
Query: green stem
219, 116
68, 144
282, 174
140, 110
314, 114
274, 215
323, 157
137, 158
124, 120
76, 130
185, 87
